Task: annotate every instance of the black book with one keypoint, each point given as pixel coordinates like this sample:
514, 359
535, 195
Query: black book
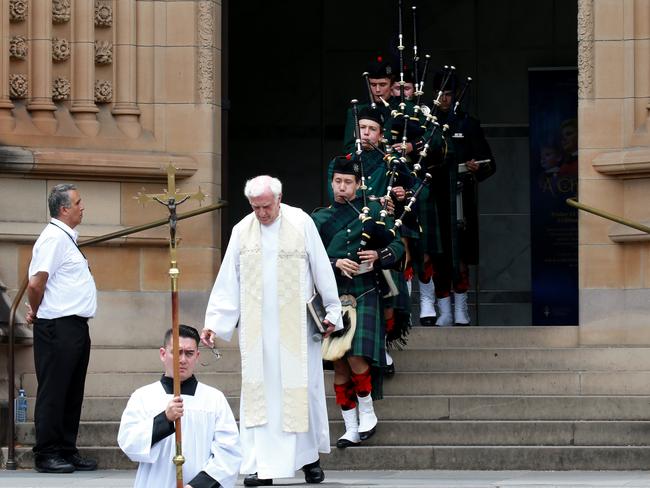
316, 310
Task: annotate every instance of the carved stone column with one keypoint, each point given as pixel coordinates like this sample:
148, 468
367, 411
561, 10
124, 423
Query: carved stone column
40, 103
585, 49
7, 121
126, 110
83, 105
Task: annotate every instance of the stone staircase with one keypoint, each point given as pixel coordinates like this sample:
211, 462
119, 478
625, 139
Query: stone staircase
463, 398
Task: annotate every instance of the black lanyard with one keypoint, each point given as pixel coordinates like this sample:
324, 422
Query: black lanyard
73, 241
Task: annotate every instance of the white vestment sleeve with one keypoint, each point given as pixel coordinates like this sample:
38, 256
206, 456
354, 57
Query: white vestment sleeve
322, 274
225, 452
223, 309
136, 430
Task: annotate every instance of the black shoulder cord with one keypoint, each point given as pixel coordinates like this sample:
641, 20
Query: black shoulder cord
73, 241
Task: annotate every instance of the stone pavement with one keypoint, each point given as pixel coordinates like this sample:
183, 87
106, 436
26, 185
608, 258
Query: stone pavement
367, 479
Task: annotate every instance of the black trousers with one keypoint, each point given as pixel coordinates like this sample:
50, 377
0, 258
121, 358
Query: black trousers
61, 354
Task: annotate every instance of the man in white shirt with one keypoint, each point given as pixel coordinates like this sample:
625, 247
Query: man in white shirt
210, 438
275, 259
62, 297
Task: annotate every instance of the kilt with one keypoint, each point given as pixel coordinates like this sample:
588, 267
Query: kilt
370, 335
402, 300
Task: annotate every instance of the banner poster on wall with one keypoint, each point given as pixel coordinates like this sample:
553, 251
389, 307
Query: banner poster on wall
553, 100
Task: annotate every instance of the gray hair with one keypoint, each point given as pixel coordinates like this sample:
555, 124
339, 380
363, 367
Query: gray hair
261, 184
59, 197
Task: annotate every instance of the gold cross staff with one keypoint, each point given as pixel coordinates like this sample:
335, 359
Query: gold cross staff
171, 198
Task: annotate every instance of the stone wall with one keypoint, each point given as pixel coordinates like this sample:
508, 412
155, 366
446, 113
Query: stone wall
105, 94
614, 94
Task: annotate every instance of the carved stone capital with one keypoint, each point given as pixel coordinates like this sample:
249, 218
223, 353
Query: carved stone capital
18, 86
60, 89
103, 91
18, 47
60, 49
103, 13
17, 10
103, 52
60, 11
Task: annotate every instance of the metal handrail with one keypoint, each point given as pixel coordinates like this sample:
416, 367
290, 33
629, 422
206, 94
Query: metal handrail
11, 433
606, 215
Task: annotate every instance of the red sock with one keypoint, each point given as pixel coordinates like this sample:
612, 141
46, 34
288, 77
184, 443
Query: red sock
362, 383
343, 397
408, 273
390, 324
352, 396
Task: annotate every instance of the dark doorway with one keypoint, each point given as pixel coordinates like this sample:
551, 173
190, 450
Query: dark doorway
293, 66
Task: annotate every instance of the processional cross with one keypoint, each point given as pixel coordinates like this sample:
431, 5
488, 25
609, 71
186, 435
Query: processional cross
171, 198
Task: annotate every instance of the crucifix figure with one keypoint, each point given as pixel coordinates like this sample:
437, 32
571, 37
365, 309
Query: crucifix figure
171, 198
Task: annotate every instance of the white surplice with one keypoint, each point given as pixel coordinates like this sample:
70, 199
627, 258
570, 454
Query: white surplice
210, 437
268, 450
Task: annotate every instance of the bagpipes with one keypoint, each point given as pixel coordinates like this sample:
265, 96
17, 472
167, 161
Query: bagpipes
378, 232
412, 123
371, 229
424, 123
420, 125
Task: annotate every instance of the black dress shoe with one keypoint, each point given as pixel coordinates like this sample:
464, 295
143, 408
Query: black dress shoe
344, 443
364, 436
427, 321
52, 464
313, 472
253, 480
81, 463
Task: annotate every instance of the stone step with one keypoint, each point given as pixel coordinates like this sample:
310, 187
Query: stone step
440, 407
140, 360
437, 432
437, 337
413, 359
539, 458
505, 433
435, 383
522, 359
440, 337
535, 458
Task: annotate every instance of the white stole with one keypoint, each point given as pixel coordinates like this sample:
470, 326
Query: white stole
292, 319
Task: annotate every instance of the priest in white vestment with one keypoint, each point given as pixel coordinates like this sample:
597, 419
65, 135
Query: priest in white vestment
275, 259
210, 440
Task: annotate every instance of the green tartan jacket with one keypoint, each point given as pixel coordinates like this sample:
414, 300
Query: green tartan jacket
340, 229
